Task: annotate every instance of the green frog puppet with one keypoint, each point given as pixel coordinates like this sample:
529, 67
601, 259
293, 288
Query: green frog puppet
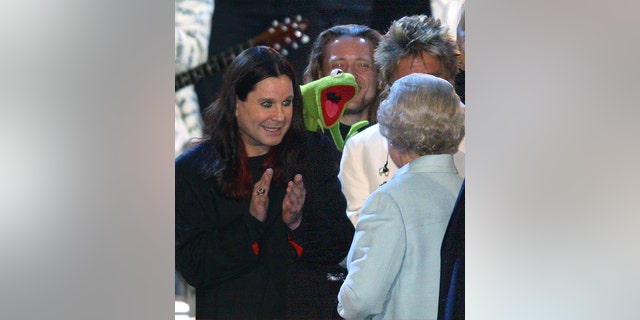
324, 103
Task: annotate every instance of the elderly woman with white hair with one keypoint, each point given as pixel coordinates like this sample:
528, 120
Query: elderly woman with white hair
394, 259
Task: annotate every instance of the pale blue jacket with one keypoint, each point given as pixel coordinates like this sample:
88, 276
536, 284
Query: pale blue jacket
394, 260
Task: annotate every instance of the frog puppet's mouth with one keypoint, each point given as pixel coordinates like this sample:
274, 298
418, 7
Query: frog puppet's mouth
333, 101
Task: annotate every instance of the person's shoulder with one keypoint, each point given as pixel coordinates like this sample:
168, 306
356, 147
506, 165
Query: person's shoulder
365, 135
318, 141
367, 141
320, 150
395, 190
191, 160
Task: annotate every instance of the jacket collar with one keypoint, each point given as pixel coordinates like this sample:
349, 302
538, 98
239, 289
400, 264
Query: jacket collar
437, 163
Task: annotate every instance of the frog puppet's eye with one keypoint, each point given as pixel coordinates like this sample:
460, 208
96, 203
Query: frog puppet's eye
336, 73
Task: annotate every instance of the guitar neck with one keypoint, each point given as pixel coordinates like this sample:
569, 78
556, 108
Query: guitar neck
279, 36
216, 64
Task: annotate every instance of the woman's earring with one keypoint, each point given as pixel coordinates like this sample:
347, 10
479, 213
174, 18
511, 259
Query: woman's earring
384, 170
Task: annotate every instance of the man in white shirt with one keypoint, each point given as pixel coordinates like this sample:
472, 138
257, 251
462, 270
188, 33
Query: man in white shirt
413, 44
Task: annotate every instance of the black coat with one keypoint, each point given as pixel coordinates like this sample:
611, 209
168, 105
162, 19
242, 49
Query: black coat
246, 269
451, 303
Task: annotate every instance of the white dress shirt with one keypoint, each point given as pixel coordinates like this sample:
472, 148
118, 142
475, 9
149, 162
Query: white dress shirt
362, 158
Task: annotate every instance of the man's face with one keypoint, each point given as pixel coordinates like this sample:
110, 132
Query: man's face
425, 63
265, 117
354, 55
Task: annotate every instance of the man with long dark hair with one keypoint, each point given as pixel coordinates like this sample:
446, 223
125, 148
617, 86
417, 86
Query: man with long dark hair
260, 218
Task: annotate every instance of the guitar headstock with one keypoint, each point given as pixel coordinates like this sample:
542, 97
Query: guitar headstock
284, 35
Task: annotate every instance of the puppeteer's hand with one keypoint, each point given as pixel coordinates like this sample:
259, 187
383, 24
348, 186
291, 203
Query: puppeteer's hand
293, 202
260, 196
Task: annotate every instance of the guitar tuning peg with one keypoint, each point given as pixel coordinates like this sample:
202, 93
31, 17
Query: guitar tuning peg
305, 39
288, 40
294, 46
287, 20
284, 28
285, 52
298, 18
274, 23
277, 46
298, 34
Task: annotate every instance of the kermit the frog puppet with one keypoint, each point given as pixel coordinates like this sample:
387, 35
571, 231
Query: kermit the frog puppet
324, 102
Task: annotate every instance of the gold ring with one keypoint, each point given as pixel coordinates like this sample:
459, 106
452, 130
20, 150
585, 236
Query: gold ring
261, 191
